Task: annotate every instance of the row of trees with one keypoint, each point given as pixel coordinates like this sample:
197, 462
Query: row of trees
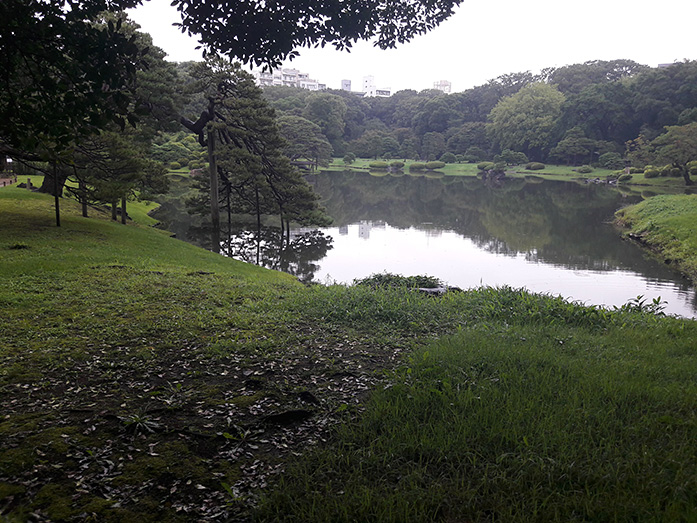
572, 114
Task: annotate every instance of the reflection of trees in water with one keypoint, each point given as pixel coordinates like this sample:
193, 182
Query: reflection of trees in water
560, 223
270, 248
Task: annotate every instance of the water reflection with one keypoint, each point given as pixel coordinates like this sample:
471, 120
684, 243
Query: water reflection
546, 236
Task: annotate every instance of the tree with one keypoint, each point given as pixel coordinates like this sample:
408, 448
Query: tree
526, 120
328, 112
64, 76
248, 161
603, 111
304, 140
574, 149
572, 79
270, 32
677, 146
432, 146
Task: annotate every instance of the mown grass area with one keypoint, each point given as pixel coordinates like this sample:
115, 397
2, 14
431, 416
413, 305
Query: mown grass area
145, 379
667, 225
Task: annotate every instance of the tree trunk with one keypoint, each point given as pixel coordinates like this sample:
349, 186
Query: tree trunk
53, 183
686, 174
56, 195
123, 210
213, 168
83, 198
114, 214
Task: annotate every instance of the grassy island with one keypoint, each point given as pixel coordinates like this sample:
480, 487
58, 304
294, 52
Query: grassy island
144, 379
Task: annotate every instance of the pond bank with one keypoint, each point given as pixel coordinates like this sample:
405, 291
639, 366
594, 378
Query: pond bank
667, 226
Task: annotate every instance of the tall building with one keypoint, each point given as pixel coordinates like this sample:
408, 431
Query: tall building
369, 88
443, 85
346, 85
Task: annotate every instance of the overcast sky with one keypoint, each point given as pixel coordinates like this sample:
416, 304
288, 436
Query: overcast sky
485, 39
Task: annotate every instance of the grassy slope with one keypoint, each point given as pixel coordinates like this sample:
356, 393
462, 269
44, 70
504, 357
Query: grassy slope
141, 378
668, 226
28, 219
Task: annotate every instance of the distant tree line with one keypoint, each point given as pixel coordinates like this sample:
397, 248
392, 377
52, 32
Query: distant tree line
576, 114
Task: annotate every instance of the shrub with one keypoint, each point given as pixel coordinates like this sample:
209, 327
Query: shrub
448, 158
534, 166
669, 170
417, 166
349, 158
635, 170
611, 161
175, 165
378, 165
386, 280
624, 178
183, 162
585, 169
651, 172
485, 166
692, 167
513, 157
397, 165
435, 165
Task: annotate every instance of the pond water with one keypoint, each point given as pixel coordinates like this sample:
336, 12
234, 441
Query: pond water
551, 237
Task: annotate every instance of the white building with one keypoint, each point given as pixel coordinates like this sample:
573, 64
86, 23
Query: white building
369, 88
443, 85
288, 77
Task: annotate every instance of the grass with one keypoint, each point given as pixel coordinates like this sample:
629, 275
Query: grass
666, 224
144, 379
516, 422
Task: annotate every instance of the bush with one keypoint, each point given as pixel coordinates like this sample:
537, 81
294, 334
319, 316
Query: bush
485, 166
535, 166
389, 280
635, 170
692, 167
448, 158
397, 165
435, 165
175, 166
183, 162
611, 161
378, 165
417, 166
585, 169
624, 178
513, 157
669, 170
349, 158
651, 172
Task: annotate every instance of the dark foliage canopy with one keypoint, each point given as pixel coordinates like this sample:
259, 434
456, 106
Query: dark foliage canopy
267, 32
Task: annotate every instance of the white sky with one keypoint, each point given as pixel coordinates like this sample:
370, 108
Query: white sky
485, 39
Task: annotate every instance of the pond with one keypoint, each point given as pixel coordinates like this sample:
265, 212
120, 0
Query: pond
545, 236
